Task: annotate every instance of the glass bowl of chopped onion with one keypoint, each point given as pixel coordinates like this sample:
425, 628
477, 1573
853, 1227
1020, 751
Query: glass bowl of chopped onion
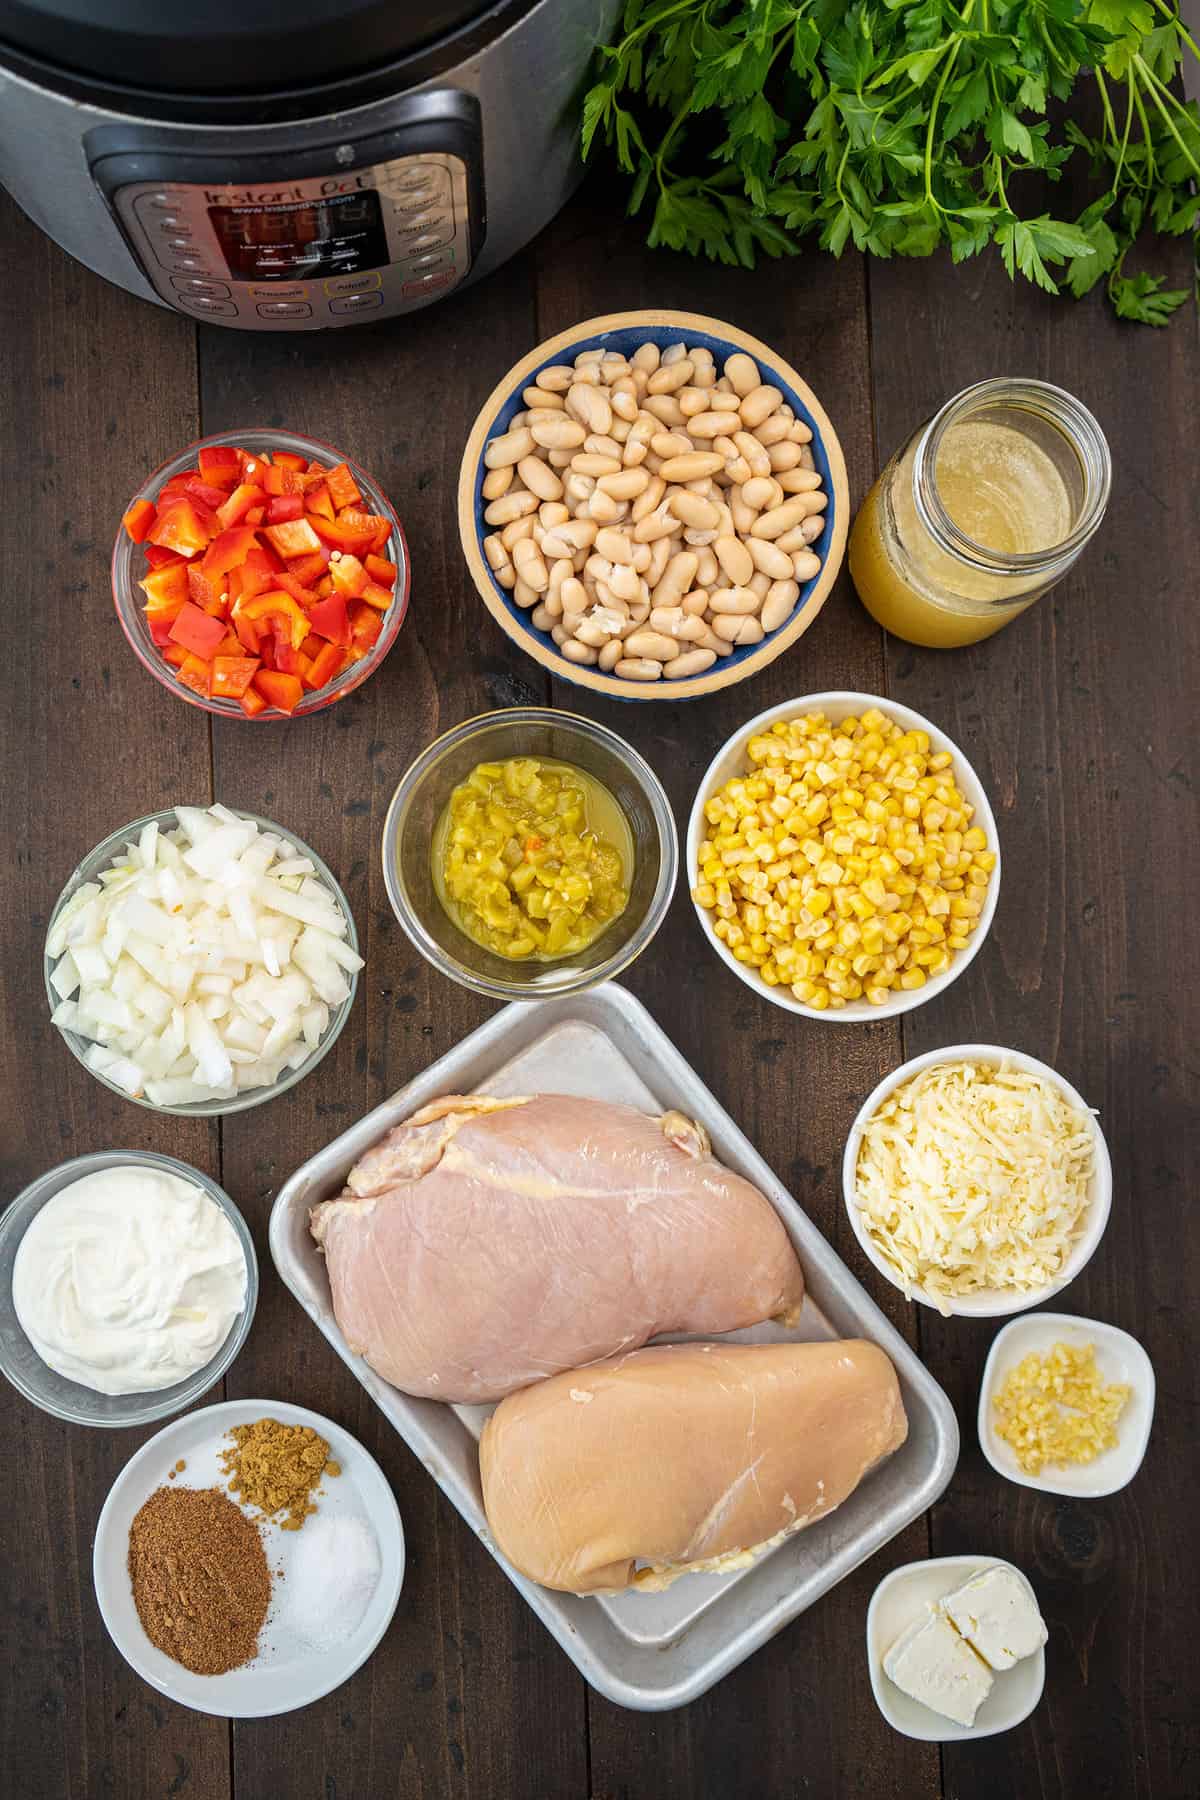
201, 961
977, 1180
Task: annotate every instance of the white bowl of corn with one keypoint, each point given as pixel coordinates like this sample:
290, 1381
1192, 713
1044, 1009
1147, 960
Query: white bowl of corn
843, 858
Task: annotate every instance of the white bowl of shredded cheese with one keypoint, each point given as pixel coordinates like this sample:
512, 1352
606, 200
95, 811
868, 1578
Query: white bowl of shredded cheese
977, 1180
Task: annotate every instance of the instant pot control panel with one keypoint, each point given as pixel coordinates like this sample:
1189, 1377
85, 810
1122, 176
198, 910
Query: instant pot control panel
303, 241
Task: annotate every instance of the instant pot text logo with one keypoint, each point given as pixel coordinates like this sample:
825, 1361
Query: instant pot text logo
335, 184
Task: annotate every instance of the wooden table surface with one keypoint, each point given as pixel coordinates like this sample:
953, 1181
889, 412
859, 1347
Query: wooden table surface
1077, 719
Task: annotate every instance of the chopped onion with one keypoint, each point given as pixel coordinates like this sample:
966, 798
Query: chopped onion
204, 962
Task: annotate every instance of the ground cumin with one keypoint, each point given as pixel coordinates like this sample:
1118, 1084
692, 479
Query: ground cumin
275, 1468
200, 1579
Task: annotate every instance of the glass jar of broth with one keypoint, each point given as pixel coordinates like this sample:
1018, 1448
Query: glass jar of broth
984, 508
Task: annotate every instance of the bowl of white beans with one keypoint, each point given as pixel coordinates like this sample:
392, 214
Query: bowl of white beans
653, 505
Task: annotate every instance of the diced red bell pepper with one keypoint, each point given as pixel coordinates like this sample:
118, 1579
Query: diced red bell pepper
252, 702
196, 631
282, 507
278, 480
303, 596
204, 590
232, 675
382, 571
325, 665
288, 459
309, 569
276, 603
283, 691
164, 587
248, 633
380, 543
243, 498
158, 558
207, 495
228, 550
343, 489
230, 645
347, 575
317, 499
294, 538
220, 464
378, 597
180, 527
176, 655
330, 619
159, 626
138, 520
177, 484
196, 673
287, 655
256, 515
351, 530
365, 624
312, 645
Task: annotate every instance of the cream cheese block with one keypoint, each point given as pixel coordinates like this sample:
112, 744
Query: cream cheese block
931, 1663
997, 1614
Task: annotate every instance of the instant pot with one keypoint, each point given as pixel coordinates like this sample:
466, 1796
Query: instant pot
293, 167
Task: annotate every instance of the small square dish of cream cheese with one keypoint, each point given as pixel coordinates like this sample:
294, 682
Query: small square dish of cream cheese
955, 1648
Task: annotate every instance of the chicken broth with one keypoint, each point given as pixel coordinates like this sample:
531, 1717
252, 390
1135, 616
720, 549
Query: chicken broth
532, 859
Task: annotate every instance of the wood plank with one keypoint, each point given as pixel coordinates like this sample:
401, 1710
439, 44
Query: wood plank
466, 1694
97, 389
793, 1085
1076, 718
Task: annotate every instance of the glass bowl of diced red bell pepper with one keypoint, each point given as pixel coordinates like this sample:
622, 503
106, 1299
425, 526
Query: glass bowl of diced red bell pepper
260, 575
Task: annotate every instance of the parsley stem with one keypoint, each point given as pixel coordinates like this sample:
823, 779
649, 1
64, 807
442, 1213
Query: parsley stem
1153, 84
933, 113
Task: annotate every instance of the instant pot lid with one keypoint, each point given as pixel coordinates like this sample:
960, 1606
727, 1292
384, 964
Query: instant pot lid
225, 47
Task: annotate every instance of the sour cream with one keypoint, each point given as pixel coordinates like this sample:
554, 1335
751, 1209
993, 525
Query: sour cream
128, 1280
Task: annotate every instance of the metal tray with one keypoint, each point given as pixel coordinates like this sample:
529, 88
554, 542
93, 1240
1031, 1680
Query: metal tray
646, 1651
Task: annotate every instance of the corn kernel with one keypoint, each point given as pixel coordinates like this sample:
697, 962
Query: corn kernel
843, 862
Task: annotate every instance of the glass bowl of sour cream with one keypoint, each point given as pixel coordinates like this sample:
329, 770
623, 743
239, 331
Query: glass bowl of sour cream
128, 1282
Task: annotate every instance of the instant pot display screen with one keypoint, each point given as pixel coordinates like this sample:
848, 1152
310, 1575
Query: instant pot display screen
337, 236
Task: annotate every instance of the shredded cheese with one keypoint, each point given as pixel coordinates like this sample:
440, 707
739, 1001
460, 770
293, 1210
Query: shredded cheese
972, 1178
1057, 1409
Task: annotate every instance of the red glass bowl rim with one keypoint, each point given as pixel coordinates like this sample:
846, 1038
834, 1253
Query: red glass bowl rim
341, 685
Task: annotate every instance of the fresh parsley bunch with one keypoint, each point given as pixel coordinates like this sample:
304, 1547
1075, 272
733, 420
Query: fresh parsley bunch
750, 124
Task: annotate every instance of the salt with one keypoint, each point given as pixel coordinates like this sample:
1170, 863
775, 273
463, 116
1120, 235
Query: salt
332, 1576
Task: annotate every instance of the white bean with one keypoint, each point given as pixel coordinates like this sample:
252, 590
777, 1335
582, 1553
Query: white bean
497, 482
768, 559
805, 564
692, 662
539, 478
509, 448
692, 465
779, 604
741, 372
611, 655
576, 652
638, 668
739, 601
735, 560
762, 493
558, 433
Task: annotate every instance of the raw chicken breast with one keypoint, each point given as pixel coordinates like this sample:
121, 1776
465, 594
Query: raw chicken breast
682, 1457
487, 1243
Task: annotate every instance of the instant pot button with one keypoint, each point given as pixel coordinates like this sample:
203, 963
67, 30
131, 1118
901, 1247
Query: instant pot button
156, 202
208, 305
353, 303
172, 222
432, 259
285, 309
412, 175
182, 263
428, 284
431, 240
280, 290
200, 284
354, 284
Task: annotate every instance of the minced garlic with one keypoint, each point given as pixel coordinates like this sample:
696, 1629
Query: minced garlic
1056, 1408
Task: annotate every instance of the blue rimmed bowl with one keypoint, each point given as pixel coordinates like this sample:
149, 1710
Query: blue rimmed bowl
623, 332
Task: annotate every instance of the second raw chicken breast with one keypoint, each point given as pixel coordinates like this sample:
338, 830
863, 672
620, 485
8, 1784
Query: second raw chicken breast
485, 1244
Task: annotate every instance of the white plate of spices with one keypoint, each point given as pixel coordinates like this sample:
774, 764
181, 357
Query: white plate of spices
291, 1543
